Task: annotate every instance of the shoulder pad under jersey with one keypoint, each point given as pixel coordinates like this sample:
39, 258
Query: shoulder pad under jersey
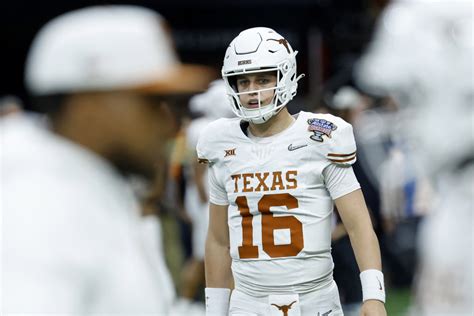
342, 146
213, 140
337, 138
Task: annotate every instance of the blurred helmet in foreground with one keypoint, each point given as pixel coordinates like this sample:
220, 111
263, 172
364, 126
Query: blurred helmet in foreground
112, 47
422, 54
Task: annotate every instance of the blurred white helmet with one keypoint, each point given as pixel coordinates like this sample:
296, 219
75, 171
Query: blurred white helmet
109, 47
422, 54
346, 98
213, 103
255, 50
420, 41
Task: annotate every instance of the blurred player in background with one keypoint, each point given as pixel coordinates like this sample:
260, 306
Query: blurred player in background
347, 103
406, 198
72, 238
422, 54
274, 179
208, 106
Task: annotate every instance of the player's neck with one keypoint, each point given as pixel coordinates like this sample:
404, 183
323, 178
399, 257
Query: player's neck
275, 125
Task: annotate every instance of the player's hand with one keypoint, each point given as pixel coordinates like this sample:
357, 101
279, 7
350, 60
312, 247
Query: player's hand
373, 308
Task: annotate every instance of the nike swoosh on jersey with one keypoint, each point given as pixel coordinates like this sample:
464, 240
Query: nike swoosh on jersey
291, 147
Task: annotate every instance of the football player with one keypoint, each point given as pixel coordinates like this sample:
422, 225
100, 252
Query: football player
73, 242
274, 179
430, 69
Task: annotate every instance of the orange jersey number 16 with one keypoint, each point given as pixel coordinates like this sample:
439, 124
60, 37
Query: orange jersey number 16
269, 223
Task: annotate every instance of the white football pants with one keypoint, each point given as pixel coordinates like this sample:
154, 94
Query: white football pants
324, 302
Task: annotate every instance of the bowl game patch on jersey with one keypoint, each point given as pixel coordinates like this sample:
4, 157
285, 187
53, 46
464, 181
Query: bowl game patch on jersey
320, 127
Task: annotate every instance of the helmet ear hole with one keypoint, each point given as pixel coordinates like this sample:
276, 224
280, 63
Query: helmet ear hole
233, 83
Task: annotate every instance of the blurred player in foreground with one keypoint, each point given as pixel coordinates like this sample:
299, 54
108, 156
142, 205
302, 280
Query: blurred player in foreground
423, 55
72, 242
274, 179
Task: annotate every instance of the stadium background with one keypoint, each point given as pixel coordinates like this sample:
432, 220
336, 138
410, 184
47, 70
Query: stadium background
330, 35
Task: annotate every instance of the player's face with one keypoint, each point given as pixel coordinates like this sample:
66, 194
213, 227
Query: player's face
257, 81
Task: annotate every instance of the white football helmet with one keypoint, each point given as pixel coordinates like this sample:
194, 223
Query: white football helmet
254, 50
422, 54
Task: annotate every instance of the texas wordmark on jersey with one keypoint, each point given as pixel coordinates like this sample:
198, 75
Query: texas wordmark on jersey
280, 203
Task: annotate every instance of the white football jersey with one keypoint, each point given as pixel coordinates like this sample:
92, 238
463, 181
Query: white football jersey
280, 192
73, 239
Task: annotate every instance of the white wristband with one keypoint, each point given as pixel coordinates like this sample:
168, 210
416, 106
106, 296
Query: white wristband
373, 287
217, 301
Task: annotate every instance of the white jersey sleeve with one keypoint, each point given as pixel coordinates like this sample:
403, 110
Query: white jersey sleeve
217, 193
209, 152
205, 148
340, 150
340, 180
341, 147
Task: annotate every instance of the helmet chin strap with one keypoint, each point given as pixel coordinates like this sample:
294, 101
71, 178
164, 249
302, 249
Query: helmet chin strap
260, 118
265, 117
